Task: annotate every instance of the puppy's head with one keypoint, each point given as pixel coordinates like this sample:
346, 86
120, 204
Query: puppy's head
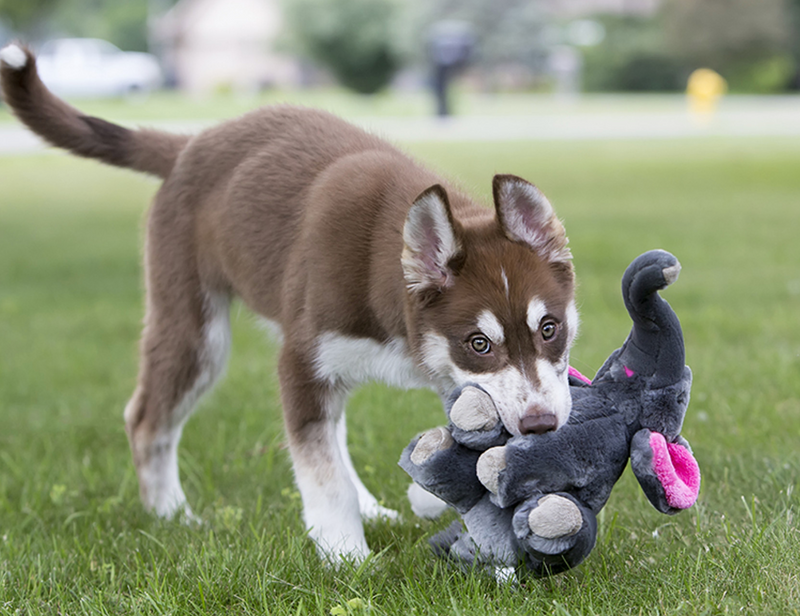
492, 301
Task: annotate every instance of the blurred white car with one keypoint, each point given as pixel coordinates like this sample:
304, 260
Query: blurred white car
93, 68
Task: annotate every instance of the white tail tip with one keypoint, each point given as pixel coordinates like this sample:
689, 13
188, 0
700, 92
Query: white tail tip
14, 56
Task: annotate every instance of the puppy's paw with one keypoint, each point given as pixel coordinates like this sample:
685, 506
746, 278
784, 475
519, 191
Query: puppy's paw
339, 550
372, 512
187, 517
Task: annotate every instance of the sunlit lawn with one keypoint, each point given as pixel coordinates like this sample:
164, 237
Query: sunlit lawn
73, 536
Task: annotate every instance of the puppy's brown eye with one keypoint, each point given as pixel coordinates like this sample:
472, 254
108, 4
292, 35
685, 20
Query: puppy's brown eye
480, 344
549, 330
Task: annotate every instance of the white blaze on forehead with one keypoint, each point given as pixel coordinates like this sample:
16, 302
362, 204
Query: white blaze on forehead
553, 393
505, 283
489, 325
536, 312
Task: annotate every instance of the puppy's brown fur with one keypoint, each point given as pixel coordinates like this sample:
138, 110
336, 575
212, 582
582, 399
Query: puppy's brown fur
352, 247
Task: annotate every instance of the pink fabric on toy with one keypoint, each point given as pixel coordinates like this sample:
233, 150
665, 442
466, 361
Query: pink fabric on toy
677, 470
574, 373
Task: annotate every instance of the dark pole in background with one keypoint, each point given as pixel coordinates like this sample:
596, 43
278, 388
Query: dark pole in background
440, 89
450, 46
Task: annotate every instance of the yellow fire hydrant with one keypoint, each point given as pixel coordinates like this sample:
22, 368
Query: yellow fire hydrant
704, 91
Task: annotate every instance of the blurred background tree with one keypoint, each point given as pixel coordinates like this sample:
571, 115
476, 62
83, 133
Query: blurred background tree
354, 39
25, 15
122, 23
754, 44
633, 57
793, 7
747, 41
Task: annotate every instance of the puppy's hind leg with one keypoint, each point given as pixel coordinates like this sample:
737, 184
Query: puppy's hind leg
183, 352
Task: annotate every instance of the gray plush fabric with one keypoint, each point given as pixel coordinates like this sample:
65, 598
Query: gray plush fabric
643, 386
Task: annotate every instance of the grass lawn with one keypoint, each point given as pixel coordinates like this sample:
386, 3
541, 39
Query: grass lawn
75, 540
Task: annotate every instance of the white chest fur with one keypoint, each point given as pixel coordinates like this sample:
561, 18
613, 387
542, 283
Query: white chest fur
348, 361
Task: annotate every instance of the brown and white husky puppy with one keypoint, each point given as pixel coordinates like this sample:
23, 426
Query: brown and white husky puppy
372, 266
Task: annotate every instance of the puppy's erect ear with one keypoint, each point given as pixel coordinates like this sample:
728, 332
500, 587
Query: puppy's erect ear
526, 216
430, 242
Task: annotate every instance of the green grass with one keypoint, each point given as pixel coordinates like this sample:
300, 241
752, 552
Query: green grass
74, 538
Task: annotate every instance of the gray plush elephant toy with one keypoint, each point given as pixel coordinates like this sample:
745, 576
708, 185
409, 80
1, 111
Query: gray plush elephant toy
533, 499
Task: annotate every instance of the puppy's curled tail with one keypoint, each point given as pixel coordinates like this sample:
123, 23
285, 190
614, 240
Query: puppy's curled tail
61, 125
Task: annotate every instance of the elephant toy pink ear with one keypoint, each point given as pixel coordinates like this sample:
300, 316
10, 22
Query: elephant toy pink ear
677, 471
667, 472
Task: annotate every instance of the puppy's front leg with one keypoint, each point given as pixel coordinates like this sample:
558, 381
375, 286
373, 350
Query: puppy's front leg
330, 499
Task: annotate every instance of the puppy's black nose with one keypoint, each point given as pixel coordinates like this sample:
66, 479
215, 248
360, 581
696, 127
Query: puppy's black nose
538, 423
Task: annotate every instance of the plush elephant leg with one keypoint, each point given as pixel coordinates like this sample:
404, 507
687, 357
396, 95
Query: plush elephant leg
489, 526
491, 463
457, 546
475, 422
556, 530
444, 468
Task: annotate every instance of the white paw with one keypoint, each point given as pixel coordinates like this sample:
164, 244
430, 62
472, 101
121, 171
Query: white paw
188, 517
373, 511
170, 505
14, 56
424, 504
555, 517
341, 549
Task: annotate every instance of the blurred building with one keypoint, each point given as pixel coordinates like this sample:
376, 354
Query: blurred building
208, 45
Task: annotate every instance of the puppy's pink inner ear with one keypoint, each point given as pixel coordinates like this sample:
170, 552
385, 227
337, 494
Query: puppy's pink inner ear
431, 252
526, 216
429, 242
